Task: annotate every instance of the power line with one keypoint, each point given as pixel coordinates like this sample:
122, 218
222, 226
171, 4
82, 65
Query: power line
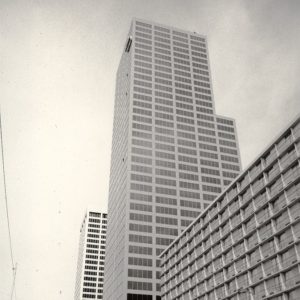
14, 283
5, 194
14, 267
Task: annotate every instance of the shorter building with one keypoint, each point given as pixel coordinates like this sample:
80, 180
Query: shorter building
91, 255
246, 244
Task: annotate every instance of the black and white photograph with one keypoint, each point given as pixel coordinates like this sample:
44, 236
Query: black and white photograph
150, 150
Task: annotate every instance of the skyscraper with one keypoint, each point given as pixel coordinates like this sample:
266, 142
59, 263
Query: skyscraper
171, 154
91, 255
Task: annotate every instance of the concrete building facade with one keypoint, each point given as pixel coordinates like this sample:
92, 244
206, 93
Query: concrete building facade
246, 244
171, 154
91, 255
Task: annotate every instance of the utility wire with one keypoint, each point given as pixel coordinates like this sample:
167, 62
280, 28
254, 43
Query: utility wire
5, 194
14, 267
14, 283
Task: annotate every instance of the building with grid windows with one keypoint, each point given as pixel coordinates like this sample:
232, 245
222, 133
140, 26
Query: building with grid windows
171, 154
91, 255
246, 244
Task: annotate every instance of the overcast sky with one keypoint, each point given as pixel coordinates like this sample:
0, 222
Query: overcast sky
57, 75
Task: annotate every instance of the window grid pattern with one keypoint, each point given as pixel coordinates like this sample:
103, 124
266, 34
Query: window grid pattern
169, 166
247, 243
173, 75
91, 256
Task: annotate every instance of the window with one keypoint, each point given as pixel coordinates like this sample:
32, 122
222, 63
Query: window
282, 220
140, 217
289, 257
166, 231
239, 249
142, 169
257, 274
137, 285
139, 273
285, 239
164, 200
268, 248
165, 220
140, 227
166, 210
140, 187
292, 277
140, 239
252, 240
270, 266
163, 241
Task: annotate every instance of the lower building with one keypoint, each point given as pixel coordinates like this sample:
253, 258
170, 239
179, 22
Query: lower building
246, 244
91, 255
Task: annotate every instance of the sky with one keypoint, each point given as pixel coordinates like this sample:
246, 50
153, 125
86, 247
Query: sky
57, 79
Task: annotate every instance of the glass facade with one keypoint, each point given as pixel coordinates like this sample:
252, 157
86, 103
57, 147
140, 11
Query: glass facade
246, 245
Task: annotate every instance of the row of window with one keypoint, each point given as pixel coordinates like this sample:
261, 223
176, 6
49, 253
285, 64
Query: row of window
230, 155
169, 164
160, 59
159, 38
271, 286
179, 68
165, 33
169, 191
165, 30
261, 216
169, 220
211, 235
263, 233
265, 269
142, 117
212, 260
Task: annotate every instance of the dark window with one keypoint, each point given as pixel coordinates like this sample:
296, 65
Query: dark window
138, 297
128, 45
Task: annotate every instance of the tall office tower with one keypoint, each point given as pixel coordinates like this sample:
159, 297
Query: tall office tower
91, 254
171, 154
246, 245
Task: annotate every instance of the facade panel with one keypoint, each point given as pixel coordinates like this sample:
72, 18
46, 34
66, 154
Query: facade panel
246, 244
167, 160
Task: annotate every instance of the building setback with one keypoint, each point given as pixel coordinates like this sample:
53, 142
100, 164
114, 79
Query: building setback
171, 154
246, 244
91, 255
